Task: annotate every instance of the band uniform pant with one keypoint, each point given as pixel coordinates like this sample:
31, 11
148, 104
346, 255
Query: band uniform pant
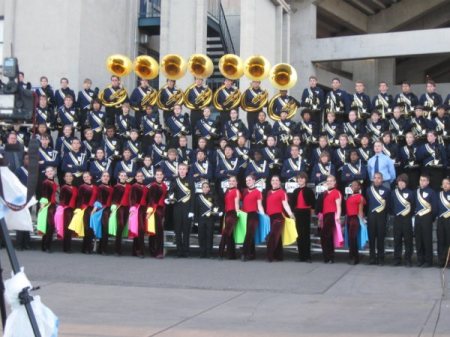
326, 236
227, 240
252, 119
353, 229
436, 176
103, 247
443, 239
47, 238
111, 113
87, 246
139, 242
303, 224
376, 225
182, 227
403, 233
122, 217
274, 242
206, 235
248, 248
423, 226
67, 241
156, 242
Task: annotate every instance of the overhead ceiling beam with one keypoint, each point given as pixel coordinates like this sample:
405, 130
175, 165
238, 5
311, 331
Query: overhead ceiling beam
400, 14
345, 14
379, 4
362, 6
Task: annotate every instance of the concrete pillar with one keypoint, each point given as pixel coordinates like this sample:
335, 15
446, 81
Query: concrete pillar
183, 31
286, 46
372, 71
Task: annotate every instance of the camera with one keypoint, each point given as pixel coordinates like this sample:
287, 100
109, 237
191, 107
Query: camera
16, 103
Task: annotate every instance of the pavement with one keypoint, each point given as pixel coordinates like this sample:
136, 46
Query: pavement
108, 296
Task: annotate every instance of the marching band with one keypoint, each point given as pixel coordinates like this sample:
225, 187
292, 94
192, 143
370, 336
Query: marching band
346, 154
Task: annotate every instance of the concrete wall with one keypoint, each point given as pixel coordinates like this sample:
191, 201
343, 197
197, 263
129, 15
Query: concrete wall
60, 38
232, 9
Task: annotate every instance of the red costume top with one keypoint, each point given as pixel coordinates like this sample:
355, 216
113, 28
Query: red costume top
156, 195
250, 199
49, 189
87, 194
104, 195
121, 195
353, 202
329, 201
274, 202
68, 196
230, 197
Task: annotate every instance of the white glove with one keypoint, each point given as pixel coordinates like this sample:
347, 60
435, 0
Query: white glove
215, 209
167, 201
220, 213
190, 215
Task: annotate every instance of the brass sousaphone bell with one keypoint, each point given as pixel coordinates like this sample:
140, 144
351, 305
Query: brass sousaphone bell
120, 66
282, 76
200, 66
173, 67
147, 68
231, 67
256, 68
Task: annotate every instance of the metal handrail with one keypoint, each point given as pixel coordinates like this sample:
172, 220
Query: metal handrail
226, 36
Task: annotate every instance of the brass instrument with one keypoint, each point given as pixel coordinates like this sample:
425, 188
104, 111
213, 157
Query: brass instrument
283, 77
202, 67
120, 66
256, 68
231, 67
173, 67
147, 68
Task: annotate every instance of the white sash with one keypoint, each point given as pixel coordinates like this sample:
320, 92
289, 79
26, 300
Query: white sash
379, 199
406, 204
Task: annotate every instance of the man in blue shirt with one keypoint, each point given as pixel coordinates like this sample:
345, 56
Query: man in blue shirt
383, 164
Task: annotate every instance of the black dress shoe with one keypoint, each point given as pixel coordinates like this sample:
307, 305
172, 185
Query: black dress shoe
420, 264
427, 265
397, 263
372, 262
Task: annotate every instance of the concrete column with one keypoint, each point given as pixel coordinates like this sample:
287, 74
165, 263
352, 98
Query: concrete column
279, 35
372, 71
286, 45
183, 31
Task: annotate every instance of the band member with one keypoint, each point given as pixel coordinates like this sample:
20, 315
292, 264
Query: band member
322, 146
234, 128
337, 100
303, 149
206, 127
111, 96
99, 165
426, 209
313, 98
126, 165
150, 125
137, 98
398, 125
231, 207
283, 131
89, 145
155, 199
158, 150
227, 166
148, 170
44, 113
87, 195
63, 92
67, 200
376, 126
251, 204
430, 99
383, 102
85, 99
184, 154
67, 114
253, 98
46, 91
104, 197
183, 193
361, 101
178, 125
258, 168
202, 145
307, 127
243, 154
134, 145
261, 130
441, 124
380, 162
408, 161
112, 144
390, 148
120, 200
42, 129
419, 124
96, 119
331, 210
352, 171
48, 157
354, 206
272, 154
48, 190
433, 157
138, 201
402, 201
340, 155
196, 97
201, 170
332, 129
75, 162
377, 199
226, 97
284, 102
322, 169
205, 211
125, 122
293, 165
406, 99
170, 165
443, 223
302, 201
169, 97
354, 128
365, 151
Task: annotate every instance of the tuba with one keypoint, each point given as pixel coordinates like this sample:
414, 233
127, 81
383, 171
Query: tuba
119, 66
173, 67
202, 67
147, 68
230, 67
256, 68
283, 77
